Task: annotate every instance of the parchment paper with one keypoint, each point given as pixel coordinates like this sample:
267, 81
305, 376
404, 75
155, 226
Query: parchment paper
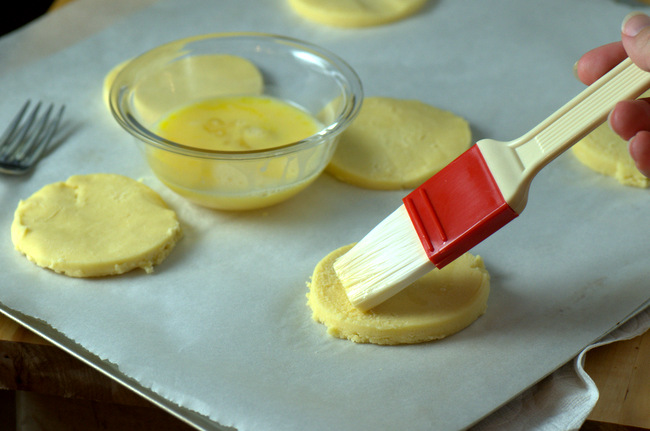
221, 327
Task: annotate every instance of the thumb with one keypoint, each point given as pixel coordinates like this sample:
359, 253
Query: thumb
635, 34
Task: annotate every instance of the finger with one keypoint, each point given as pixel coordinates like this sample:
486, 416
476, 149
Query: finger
635, 35
630, 117
639, 148
597, 62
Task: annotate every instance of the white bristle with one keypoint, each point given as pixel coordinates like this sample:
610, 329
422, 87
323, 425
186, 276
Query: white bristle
384, 262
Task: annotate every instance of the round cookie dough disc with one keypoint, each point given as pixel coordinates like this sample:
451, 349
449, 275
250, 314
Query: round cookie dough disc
398, 144
605, 152
356, 13
439, 304
95, 225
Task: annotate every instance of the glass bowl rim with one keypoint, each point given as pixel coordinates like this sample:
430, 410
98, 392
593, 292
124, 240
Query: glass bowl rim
347, 75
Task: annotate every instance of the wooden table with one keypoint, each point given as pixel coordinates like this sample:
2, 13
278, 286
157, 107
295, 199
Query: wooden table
62, 386
59, 391
29, 363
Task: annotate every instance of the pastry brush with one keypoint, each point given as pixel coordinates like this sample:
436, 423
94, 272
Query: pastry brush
473, 196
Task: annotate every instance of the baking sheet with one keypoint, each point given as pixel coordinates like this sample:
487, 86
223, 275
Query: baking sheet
222, 329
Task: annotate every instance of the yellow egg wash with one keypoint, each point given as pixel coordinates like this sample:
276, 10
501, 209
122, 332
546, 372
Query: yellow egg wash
241, 123
236, 124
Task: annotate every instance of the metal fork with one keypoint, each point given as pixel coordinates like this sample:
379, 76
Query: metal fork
23, 143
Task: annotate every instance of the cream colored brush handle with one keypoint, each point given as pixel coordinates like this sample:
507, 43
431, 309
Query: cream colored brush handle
514, 164
578, 117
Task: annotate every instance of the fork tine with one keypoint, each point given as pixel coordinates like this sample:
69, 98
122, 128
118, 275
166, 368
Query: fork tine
29, 135
18, 139
32, 134
25, 140
11, 130
42, 139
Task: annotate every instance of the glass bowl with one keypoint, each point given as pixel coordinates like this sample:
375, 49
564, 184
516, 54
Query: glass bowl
178, 74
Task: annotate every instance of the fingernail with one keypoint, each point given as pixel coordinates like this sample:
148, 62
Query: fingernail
634, 22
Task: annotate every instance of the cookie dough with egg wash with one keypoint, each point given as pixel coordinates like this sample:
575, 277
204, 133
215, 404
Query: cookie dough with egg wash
356, 13
605, 152
438, 305
95, 225
398, 144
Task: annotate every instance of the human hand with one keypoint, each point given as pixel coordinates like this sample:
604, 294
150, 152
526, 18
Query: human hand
630, 119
